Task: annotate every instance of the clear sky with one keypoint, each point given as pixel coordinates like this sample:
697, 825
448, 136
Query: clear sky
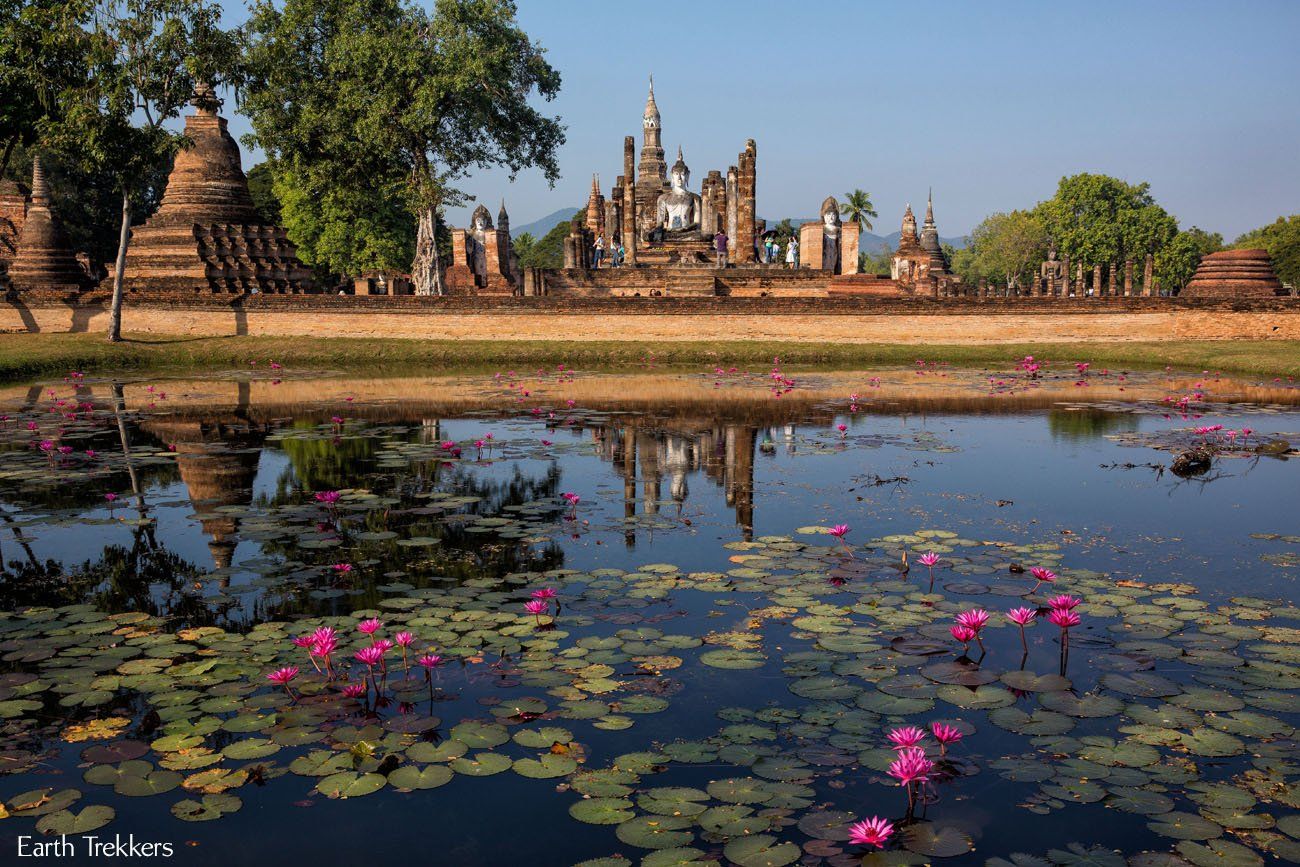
991, 103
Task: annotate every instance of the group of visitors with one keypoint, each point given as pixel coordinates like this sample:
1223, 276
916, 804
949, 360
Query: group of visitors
769, 251
617, 253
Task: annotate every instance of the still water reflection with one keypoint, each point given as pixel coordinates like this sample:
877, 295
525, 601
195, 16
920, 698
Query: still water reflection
207, 505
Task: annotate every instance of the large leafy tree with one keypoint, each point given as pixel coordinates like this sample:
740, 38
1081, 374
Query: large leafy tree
370, 93
1281, 239
1005, 248
44, 52
147, 58
858, 208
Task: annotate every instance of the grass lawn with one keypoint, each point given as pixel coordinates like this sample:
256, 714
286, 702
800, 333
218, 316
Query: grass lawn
30, 356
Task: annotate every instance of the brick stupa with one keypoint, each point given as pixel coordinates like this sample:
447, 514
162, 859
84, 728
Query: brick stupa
43, 260
1235, 274
206, 236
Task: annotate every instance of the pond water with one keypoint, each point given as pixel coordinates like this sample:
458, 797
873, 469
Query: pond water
716, 676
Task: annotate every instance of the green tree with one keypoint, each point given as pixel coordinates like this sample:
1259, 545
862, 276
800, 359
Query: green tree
1281, 239
857, 207
341, 227
879, 263
44, 53
523, 245
261, 186
1206, 242
785, 230
148, 59
1004, 248
381, 89
548, 251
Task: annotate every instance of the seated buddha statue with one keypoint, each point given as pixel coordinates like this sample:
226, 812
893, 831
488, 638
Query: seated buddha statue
677, 211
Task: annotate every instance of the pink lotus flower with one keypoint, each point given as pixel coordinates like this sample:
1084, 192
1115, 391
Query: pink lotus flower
342, 568
842, 428
964, 634
974, 620
371, 656
354, 690
929, 560
110, 498
282, 677
906, 737
1022, 617
1066, 601
404, 639
370, 626
1043, 576
571, 498
537, 607
329, 498
871, 832
430, 660
839, 531
909, 768
1064, 618
545, 593
945, 735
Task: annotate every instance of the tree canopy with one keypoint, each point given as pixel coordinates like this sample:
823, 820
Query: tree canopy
1281, 239
857, 208
379, 97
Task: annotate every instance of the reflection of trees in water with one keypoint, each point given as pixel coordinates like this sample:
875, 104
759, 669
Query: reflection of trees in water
318, 464
1088, 423
143, 576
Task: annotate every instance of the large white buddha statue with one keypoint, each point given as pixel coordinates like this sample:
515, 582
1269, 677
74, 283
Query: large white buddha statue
678, 210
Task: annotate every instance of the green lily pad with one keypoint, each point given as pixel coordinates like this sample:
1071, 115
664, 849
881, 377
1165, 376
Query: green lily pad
761, 850
67, 822
350, 784
546, 767
602, 811
656, 832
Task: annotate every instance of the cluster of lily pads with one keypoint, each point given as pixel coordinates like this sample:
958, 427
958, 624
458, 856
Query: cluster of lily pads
1183, 713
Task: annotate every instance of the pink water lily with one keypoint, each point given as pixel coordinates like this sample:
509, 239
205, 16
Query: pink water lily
404, 640
905, 737
283, 677
975, 620
911, 767
871, 832
545, 593
945, 735
964, 634
1066, 601
354, 690
929, 560
328, 498
370, 626
1042, 576
537, 607
1022, 617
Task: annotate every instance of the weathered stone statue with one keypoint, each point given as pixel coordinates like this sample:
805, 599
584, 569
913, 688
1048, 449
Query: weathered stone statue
830, 234
1051, 273
678, 210
480, 225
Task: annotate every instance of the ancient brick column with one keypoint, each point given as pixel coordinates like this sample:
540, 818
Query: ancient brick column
745, 214
810, 244
1096, 280
850, 233
1148, 275
733, 212
1128, 276
629, 201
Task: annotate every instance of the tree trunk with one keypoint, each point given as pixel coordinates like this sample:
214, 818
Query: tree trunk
426, 269
119, 270
9, 149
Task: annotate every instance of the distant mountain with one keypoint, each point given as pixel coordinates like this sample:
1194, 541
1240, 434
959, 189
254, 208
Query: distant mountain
539, 228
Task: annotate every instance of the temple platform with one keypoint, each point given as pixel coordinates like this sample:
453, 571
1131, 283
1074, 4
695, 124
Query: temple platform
686, 281
682, 252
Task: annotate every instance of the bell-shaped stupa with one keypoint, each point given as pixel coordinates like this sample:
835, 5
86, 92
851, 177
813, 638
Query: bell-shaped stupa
206, 236
44, 259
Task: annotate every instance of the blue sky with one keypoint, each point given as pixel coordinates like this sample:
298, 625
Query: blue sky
990, 103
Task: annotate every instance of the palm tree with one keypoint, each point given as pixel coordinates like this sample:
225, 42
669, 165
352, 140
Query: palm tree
857, 207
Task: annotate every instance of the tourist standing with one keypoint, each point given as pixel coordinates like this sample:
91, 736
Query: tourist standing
619, 254
598, 251
792, 254
720, 245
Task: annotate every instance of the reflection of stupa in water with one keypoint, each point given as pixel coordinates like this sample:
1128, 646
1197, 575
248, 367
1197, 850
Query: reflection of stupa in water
725, 453
218, 463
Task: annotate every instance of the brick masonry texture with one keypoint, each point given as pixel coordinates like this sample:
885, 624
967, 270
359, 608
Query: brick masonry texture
846, 320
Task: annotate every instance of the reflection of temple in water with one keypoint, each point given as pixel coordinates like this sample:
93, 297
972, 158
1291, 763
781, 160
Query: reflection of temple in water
723, 452
218, 461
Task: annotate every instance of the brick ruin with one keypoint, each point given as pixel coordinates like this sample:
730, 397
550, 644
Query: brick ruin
43, 260
206, 236
919, 264
667, 234
483, 260
1235, 274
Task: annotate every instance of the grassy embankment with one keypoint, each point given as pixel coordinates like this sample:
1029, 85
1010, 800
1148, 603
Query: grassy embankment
29, 356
